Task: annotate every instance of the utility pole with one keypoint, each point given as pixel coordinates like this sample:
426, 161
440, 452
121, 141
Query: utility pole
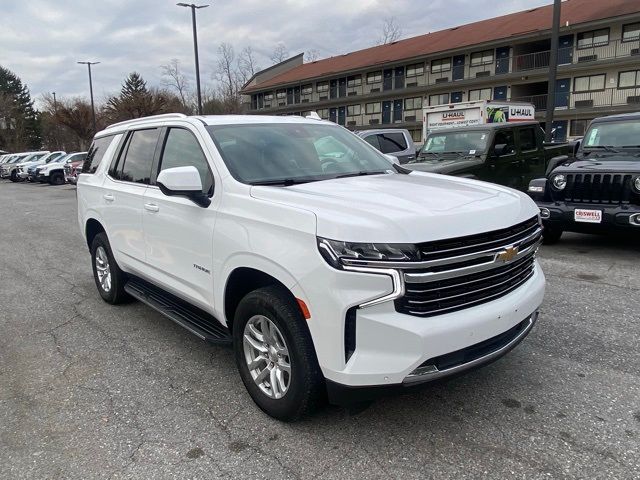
553, 70
193, 8
55, 119
93, 109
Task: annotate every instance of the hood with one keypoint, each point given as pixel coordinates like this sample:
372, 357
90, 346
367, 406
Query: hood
608, 164
400, 208
445, 164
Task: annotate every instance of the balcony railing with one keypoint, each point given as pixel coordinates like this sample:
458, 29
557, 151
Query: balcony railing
615, 49
609, 97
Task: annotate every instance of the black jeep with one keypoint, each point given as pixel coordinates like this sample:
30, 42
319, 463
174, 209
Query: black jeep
597, 190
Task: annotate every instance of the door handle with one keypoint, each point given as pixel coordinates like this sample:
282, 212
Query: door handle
152, 207
108, 197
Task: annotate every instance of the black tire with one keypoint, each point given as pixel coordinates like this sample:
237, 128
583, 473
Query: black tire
551, 235
115, 294
14, 176
306, 391
56, 178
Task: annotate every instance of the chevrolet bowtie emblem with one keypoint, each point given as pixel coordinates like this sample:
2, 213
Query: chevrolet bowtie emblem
507, 254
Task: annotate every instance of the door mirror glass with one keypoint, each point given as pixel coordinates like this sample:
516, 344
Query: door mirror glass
500, 149
183, 182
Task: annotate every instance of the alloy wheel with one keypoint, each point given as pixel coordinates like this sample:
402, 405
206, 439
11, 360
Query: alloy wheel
102, 269
267, 356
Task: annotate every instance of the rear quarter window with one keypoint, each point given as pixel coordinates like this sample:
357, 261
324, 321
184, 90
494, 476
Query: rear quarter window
96, 153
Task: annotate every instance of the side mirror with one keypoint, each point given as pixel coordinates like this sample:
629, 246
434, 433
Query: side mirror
183, 182
501, 149
392, 158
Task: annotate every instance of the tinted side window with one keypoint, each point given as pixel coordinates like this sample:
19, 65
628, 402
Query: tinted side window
181, 149
392, 142
139, 156
506, 137
96, 154
373, 141
528, 138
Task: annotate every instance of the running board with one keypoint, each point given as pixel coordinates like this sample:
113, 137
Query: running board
197, 321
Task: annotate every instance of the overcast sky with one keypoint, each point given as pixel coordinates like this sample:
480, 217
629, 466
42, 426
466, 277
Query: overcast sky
41, 40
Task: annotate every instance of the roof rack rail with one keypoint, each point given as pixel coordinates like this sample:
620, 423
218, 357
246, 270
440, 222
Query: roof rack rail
151, 117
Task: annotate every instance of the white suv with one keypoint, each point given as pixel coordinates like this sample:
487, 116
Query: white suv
328, 268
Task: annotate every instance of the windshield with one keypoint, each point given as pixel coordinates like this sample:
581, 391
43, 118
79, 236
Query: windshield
608, 135
470, 143
290, 153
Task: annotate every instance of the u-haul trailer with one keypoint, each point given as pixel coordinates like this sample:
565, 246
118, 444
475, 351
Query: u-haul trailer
465, 114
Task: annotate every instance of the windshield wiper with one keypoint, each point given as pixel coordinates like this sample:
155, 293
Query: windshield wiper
285, 182
608, 148
360, 173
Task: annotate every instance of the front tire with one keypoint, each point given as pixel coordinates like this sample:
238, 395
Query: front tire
551, 235
275, 355
109, 279
56, 178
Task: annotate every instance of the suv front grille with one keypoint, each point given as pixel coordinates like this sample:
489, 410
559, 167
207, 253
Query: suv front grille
471, 270
601, 188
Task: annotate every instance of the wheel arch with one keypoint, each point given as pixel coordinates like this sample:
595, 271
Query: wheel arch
92, 228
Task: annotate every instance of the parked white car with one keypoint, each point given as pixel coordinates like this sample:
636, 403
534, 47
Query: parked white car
329, 272
22, 170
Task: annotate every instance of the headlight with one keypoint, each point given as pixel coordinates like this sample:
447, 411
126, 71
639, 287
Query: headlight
559, 182
336, 253
636, 184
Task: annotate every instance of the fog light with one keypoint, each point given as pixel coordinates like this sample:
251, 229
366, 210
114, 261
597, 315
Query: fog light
636, 184
545, 213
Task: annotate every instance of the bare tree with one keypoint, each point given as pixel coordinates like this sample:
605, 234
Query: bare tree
173, 78
280, 54
391, 31
312, 55
229, 81
247, 66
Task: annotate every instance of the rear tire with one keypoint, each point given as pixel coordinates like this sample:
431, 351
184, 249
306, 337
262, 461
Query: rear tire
109, 279
14, 176
551, 235
298, 391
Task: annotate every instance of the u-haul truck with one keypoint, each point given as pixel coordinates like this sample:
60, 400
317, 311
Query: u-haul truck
465, 114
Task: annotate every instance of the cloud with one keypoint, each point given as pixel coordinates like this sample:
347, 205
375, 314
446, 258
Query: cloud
42, 41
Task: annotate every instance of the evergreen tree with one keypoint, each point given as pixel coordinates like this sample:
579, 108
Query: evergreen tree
19, 125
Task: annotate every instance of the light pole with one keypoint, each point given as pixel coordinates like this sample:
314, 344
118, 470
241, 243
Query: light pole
55, 119
553, 69
193, 8
93, 110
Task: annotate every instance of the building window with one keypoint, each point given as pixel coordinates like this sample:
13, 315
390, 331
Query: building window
629, 79
440, 99
441, 65
482, 58
323, 113
595, 38
415, 70
416, 135
268, 97
281, 93
480, 94
374, 77
631, 32
353, 110
413, 103
589, 84
322, 87
307, 89
578, 127
354, 81
371, 108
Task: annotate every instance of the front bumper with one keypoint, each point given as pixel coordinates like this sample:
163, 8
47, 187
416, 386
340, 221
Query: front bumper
71, 179
438, 368
390, 346
560, 215
42, 178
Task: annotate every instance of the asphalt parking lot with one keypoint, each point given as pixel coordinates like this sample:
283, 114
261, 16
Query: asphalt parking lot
93, 391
